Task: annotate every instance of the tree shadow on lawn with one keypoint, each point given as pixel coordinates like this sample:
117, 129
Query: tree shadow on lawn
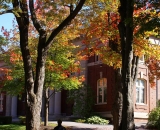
12, 127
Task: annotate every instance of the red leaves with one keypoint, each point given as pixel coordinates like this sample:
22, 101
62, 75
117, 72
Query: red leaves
154, 70
4, 75
5, 32
14, 57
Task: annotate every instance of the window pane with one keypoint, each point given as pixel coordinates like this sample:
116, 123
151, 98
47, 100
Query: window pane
105, 94
142, 83
137, 95
100, 95
142, 95
140, 89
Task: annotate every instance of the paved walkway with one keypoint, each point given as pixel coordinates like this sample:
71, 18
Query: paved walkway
83, 126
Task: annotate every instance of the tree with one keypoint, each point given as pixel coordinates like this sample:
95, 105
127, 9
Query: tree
59, 66
103, 38
34, 83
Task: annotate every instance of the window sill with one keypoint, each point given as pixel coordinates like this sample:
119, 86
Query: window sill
141, 106
101, 103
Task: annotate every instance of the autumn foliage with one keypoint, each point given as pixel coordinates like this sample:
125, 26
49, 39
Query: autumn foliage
102, 37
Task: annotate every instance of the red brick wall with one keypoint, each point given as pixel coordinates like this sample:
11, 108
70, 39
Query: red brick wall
152, 96
93, 76
91, 59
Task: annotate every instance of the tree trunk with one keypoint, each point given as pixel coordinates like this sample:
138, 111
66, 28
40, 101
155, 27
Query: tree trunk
33, 114
46, 107
118, 100
34, 80
126, 35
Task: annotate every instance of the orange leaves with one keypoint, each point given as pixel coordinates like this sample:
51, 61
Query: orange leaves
81, 79
14, 57
83, 57
5, 74
154, 70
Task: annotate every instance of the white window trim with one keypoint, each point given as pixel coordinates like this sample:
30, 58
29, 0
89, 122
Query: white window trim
145, 92
141, 59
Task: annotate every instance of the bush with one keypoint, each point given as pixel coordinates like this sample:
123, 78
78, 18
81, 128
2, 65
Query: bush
84, 101
97, 120
22, 120
154, 117
5, 120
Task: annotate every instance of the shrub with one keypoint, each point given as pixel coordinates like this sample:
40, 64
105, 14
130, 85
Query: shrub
84, 101
154, 118
5, 120
22, 120
97, 120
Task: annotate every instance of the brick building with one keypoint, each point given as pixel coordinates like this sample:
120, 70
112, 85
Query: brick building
101, 78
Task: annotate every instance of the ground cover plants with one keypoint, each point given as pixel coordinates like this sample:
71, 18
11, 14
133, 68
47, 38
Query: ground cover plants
93, 120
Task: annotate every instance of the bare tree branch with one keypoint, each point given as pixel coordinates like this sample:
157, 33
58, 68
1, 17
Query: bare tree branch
6, 11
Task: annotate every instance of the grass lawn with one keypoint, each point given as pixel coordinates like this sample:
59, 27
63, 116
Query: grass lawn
12, 127
22, 127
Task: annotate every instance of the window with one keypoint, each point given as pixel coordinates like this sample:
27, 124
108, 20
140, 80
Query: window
102, 90
140, 91
142, 59
1, 102
96, 58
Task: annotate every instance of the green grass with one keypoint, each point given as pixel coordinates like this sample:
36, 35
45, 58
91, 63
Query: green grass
17, 126
12, 127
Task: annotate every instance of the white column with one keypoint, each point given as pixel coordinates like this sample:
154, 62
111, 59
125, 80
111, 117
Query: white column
8, 105
51, 102
14, 106
57, 108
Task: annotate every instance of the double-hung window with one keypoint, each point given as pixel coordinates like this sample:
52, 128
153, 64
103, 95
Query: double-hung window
102, 91
140, 90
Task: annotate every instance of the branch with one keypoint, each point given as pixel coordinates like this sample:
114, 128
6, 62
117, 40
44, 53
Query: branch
65, 22
34, 18
6, 11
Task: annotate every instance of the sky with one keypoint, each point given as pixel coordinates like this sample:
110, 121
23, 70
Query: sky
6, 21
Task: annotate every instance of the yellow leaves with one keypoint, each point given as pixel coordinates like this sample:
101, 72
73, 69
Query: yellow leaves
51, 62
110, 57
16, 11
